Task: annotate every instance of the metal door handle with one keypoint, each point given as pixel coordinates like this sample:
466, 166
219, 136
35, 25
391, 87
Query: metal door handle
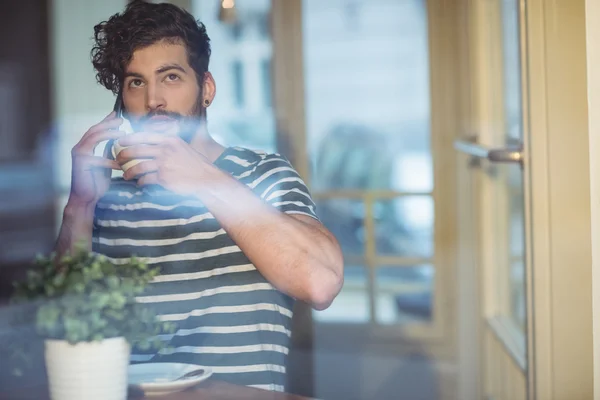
503, 155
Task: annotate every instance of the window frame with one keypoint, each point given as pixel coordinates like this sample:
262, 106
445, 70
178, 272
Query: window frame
445, 126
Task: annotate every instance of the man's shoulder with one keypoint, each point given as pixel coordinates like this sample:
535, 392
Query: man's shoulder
254, 160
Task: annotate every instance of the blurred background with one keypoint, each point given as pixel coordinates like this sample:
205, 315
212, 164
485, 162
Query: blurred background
413, 123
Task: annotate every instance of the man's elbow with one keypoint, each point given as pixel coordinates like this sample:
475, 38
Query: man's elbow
326, 290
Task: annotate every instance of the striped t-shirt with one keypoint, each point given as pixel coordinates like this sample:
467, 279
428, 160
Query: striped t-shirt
229, 318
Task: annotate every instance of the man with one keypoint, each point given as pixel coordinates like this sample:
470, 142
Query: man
234, 231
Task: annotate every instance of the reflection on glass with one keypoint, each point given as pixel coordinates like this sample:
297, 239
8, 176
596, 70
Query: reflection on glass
518, 310
367, 94
241, 114
404, 226
510, 245
516, 242
512, 71
352, 304
513, 181
345, 219
366, 70
404, 294
356, 157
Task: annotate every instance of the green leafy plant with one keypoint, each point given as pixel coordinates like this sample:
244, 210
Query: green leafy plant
83, 297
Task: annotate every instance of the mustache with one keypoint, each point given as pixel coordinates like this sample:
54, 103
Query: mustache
161, 113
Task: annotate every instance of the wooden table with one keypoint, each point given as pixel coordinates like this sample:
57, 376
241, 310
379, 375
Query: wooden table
215, 390
209, 390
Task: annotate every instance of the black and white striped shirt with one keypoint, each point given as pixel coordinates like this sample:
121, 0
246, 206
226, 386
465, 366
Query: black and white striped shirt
229, 317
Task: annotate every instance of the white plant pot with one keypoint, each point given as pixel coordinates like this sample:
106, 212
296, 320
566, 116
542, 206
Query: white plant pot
88, 370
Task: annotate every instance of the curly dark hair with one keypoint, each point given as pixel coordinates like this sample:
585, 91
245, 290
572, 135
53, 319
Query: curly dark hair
140, 25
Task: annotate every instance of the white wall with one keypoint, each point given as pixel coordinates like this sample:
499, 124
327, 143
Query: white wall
78, 101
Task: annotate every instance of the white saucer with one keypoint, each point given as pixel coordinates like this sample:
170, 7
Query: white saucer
157, 379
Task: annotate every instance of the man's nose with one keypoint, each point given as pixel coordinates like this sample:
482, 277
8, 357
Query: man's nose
155, 99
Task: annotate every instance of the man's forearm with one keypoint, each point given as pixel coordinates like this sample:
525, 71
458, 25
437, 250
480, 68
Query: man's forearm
299, 258
76, 228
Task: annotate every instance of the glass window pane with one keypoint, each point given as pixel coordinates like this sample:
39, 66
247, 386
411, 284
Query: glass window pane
367, 94
516, 242
518, 310
345, 219
404, 294
404, 226
512, 71
509, 225
352, 304
241, 114
512, 176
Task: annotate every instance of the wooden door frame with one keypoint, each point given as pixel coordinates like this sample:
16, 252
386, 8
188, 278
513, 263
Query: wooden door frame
478, 257
559, 260
560, 274
287, 70
593, 75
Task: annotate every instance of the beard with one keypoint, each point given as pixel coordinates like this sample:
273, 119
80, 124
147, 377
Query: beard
171, 122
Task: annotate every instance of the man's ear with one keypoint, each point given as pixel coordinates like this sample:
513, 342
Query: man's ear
209, 89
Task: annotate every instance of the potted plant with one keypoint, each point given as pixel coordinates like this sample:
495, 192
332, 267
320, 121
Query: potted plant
84, 308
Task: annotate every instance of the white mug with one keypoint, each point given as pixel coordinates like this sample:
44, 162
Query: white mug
116, 148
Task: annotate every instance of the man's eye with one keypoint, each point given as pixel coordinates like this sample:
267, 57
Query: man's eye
136, 83
172, 77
